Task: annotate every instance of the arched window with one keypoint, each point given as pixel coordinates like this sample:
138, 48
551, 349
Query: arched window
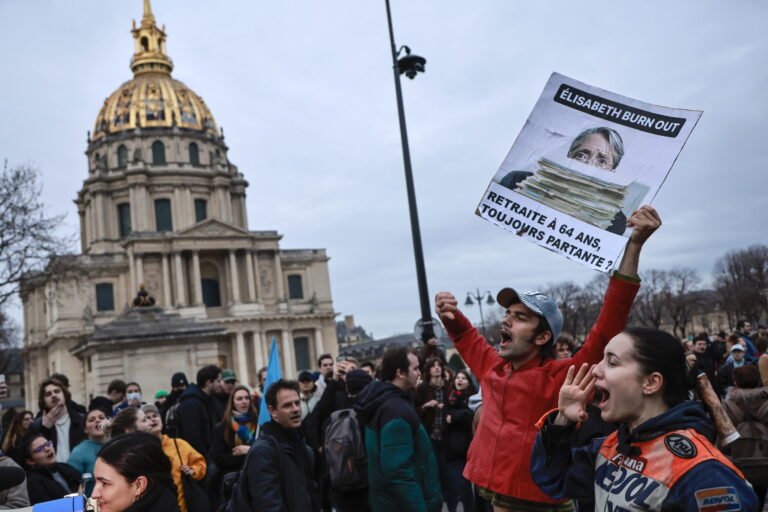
194, 154
158, 152
211, 295
122, 155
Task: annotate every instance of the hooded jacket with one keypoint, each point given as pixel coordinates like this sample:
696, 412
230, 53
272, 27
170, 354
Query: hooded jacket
666, 463
402, 471
196, 418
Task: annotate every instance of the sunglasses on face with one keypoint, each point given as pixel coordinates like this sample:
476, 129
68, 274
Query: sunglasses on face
42, 447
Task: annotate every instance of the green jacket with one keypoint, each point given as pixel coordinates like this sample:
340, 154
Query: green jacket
402, 471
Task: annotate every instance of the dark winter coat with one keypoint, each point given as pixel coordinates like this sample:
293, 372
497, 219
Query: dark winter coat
402, 470
76, 429
221, 450
277, 476
458, 433
41, 485
196, 418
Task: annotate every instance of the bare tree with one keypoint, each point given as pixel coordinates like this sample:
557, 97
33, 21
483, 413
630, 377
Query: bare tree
566, 295
679, 299
28, 241
741, 278
648, 309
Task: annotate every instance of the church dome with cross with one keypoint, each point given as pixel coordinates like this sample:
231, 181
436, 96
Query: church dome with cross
152, 99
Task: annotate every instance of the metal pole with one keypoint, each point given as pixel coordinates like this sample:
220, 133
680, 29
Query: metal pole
482, 318
421, 275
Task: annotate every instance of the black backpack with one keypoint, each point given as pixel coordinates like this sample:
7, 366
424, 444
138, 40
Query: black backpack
230, 482
344, 451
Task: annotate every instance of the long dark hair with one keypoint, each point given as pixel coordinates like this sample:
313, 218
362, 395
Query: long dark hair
15, 433
659, 351
471, 389
253, 414
138, 454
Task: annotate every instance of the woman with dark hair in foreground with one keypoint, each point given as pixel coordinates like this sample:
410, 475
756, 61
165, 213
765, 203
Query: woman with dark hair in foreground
662, 456
133, 474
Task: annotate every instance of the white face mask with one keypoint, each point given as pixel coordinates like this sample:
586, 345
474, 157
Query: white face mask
133, 396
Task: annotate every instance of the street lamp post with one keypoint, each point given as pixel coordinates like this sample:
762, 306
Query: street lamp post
411, 65
479, 298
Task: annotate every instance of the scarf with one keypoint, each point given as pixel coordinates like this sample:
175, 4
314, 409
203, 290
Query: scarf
245, 430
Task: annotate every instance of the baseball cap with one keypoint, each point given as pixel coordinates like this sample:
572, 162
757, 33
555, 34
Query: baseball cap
150, 408
306, 376
737, 347
179, 379
536, 302
160, 394
228, 374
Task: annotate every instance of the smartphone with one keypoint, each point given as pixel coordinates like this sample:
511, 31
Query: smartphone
341, 359
2, 377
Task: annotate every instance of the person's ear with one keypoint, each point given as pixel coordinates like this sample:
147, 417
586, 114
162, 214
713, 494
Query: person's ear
652, 383
543, 338
139, 486
272, 412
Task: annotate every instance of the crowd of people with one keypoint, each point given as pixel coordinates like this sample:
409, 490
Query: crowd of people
537, 423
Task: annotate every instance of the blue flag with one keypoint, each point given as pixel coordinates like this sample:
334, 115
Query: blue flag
273, 375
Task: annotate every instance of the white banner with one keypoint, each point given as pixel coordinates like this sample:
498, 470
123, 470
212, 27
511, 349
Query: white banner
584, 161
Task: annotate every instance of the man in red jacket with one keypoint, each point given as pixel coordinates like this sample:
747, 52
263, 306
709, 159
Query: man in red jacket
521, 381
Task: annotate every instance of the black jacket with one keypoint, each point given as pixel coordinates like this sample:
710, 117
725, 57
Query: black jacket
76, 429
161, 498
221, 450
196, 418
41, 485
277, 476
458, 433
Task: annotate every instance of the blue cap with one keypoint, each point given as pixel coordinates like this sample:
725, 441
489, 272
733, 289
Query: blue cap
536, 302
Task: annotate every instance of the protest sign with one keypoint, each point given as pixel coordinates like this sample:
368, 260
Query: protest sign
584, 161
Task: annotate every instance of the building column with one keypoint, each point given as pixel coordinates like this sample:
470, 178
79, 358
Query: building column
166, 282
98, 199
258, 352
181, 294
139, 270
318, 342
249, 275
279, 277
197, 286
234, 277
259, 292
242, 363
131, 273
289, 360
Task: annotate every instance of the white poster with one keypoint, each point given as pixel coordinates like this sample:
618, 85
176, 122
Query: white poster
584, 161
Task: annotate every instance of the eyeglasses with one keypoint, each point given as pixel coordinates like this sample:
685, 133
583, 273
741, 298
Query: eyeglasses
42, 447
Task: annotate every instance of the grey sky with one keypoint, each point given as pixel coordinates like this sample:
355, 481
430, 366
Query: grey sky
305, 94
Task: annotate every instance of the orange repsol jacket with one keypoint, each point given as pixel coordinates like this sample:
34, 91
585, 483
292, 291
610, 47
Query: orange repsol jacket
666, 463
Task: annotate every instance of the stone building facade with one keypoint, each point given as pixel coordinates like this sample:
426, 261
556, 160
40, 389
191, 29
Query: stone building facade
162, 206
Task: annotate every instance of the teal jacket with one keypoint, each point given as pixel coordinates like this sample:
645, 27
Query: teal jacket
402, 471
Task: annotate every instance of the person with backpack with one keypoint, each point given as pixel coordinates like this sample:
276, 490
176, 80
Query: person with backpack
277, 475
747, 407
178, 387
402, 471
344, 448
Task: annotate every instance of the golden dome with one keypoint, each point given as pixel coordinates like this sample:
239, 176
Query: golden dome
152, 98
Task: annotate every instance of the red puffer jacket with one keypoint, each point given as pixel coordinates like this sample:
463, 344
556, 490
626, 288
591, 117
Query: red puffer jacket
499, 458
